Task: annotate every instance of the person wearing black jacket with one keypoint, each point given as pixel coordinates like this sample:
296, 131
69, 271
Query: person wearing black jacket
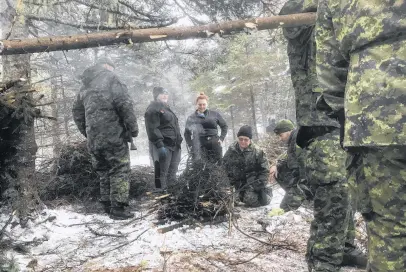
164, 137
201, 132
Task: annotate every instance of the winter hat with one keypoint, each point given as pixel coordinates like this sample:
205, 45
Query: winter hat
159, 90
283, 125
107, 61
245, 131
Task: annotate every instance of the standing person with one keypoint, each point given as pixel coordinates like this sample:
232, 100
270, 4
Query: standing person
248, 170
164, 137
330, 244
104, 114
361, 64
286, 171
201, 132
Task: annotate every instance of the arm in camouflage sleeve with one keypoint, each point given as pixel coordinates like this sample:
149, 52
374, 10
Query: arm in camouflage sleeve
262, 168
332, 67
228, 167
78, 113
124, 107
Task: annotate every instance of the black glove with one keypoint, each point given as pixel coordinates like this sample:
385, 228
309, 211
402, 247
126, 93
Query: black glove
134, 133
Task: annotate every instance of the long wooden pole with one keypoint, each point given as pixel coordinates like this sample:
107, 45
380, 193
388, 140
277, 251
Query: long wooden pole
57, 43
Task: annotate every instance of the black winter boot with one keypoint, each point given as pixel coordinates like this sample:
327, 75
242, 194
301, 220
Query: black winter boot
354, 257
106, 206
119, 212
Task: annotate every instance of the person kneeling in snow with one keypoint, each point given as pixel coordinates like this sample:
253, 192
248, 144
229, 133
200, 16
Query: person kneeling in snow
248, 170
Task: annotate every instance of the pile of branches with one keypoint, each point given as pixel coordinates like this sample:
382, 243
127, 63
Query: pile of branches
202, 192
272, 147
71, 176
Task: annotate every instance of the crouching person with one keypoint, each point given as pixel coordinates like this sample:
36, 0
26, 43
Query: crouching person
248, 170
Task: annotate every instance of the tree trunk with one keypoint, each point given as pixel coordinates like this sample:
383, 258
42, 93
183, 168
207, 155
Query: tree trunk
232, 121
254, 116
55, 43
56, 140
21, 163
66, 113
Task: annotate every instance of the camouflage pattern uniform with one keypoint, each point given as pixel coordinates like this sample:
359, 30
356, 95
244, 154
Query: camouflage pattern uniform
324, 160
248, 171
361, 65
104, 114
289, 176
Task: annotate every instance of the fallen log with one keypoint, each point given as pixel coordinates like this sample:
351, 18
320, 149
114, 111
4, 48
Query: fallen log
57, 43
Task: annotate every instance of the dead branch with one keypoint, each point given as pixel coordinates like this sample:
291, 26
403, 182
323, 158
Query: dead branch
48, 44
175, 226
273, 245
3, 229
48, 219
9, 84
76, 25
98, 233
120, 246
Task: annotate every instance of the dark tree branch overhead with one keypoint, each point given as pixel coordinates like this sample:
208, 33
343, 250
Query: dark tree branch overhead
56, 43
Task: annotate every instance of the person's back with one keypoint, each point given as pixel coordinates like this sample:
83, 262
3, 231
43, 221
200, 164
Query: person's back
103, 124
361, 65
323, 159
371, 42
103, 112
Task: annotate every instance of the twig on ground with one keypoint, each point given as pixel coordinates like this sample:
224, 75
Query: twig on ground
3, 229
49, 218
273, 245
119, 246
175, 226
98, 233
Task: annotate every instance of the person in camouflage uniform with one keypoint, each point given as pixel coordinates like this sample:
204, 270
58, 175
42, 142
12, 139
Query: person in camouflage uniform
361, 65
286, 171
104, 114
247, 168
330, 244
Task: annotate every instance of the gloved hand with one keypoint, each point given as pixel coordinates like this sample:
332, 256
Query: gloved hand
134, 133
162, 152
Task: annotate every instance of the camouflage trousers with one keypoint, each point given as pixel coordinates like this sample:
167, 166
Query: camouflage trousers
378, 186
113, 167
256, 198
324, 167
293, 198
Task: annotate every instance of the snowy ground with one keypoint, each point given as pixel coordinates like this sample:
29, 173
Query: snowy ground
75, 238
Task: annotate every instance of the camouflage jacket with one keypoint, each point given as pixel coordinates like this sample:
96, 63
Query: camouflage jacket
103, 110
302, 60
361, 63
248, 168
288, 164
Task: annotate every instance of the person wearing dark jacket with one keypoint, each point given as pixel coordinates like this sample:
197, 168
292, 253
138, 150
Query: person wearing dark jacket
165, 138
201, 132
104, 114
248, 170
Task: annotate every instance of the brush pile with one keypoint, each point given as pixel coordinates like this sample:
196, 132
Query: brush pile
71, 176
201, 193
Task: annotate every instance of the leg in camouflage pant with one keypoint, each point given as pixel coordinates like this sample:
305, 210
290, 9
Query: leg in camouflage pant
257, 198
378, 183
326, 173
113, 167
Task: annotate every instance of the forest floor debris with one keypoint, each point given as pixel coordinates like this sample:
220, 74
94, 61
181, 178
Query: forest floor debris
78, 239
